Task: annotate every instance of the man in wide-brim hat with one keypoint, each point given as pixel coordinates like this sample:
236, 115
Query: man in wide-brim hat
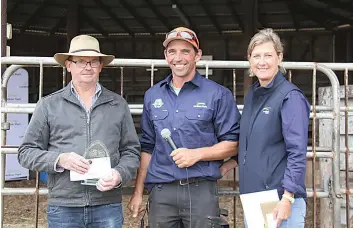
65, 124
83, 45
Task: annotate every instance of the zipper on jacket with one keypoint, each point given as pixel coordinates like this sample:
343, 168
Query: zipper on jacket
244, 168
88, 129
267, 173
245, 157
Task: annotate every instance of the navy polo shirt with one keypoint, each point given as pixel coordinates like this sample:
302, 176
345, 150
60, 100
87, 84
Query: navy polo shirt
203, 114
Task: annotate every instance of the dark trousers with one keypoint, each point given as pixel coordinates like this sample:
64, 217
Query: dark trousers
169, 204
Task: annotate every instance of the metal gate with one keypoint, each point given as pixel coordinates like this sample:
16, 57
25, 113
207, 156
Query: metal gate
331, 188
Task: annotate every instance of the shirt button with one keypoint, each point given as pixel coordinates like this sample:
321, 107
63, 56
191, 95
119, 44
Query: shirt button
198, 116
177, 111
174, 128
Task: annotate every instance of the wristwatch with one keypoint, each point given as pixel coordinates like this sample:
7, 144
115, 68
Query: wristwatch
291, 199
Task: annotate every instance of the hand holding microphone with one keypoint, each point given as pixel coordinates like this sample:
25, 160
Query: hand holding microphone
182, 157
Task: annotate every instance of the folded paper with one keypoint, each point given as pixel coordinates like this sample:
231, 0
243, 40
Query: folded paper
99, 168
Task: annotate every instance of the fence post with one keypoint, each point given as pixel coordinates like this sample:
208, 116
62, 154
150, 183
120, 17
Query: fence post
325, 140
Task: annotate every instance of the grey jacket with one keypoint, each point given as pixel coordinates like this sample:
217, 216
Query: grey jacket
59, 124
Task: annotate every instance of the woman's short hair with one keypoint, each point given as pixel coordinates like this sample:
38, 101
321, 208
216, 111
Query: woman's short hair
264, 36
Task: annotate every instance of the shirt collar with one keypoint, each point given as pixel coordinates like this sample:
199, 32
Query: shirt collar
196, 80
96, 93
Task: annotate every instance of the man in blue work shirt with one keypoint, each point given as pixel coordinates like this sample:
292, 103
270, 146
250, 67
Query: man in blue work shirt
203, 119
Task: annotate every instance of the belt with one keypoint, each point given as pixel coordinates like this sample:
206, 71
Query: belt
189, 181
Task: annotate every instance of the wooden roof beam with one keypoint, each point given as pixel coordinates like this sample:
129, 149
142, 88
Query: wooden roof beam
235, 15
33, 16
308, 13
209, 15
159, 15
14, 6
59, 23
251, 17
296, 21
92, 22
108, 11
183, 16
133, 12
185, 19
328, 12
346, 6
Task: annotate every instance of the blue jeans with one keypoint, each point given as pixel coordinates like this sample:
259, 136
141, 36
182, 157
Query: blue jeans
107, 215
297, 216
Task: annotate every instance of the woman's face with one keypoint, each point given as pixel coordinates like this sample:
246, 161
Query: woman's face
264, 62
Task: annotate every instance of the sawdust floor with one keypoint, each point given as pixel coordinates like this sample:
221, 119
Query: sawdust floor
19, 211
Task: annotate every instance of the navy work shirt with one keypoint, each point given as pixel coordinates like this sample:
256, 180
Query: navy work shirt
203, 114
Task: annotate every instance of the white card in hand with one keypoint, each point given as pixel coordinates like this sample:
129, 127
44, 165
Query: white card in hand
251, 203
99, 168
271, 223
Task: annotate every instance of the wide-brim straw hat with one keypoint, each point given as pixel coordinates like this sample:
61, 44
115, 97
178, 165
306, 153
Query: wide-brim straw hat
83, 45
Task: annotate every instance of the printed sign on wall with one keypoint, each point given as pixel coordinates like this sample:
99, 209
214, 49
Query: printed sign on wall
17, 92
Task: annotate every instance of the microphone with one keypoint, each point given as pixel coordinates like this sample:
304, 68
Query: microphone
166, 134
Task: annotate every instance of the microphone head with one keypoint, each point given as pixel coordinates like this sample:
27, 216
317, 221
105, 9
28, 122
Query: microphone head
166, 133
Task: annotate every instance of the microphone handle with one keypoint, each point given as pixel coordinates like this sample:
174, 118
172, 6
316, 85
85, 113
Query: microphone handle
171, 143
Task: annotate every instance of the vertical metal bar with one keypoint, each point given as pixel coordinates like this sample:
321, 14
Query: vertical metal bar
37, 199
290, 76
40, 80
37, 173
122, 81
314, 145
3, 143
235, 170
207, 70
4, 126
152, 74
3, 29
336, 191
346, 143
64, 77
234, 84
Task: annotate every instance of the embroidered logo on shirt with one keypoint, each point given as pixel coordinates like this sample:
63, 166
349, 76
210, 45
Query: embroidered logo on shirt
266, 110
200, 105
158, 103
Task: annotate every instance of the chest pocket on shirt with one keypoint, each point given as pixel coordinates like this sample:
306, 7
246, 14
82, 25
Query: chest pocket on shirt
157, 115
201, 117
199, 114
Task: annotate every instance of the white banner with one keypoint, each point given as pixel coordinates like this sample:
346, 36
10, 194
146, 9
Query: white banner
17, 92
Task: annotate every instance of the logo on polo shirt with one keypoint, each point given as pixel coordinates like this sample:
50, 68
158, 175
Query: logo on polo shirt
158, 103
200, 105
266, 110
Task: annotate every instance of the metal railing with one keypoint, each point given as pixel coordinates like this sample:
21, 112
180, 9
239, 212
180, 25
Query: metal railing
317, 112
